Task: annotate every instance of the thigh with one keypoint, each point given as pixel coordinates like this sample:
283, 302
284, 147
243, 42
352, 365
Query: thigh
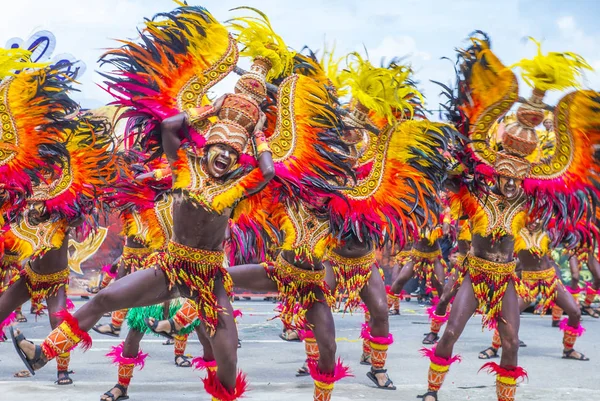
13, 297
511, 313
56, 303
374, 292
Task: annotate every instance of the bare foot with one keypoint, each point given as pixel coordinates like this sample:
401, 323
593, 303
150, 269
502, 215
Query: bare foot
27, 347
384, 380
115, 391
430, 338
164, 326
572, 354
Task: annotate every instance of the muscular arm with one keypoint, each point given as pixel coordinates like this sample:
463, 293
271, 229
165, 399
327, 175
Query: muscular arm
170, 135
265, 163
171, 126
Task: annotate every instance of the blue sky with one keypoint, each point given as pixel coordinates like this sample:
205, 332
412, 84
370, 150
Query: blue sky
423, 31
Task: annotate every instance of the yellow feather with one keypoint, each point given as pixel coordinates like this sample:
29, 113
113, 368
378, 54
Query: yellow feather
259, 39
552, 71
385, 91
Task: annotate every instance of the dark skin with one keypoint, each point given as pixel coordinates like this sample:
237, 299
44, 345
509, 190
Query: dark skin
408, 270
53, 261
121, 272
449, 291
132, 290
529, 261
253, 277
465, 303
131, 348
373, 294
594, 268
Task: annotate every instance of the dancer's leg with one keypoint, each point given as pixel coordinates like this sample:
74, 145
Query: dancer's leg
374, 297
126, 356
224, 342
56, 303
571, 326
252, 277
12, 298
463, 308
142, 288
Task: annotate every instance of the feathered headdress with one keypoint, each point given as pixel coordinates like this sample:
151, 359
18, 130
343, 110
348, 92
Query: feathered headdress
552, 71
387, 92
34, 109
259, 40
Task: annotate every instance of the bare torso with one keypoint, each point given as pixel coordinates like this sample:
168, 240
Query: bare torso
53, 261
197, 228
495, 250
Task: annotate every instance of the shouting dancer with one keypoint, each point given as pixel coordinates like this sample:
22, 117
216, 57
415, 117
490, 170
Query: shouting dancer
164, 81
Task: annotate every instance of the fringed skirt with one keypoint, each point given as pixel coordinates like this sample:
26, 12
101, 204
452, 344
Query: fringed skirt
196, 269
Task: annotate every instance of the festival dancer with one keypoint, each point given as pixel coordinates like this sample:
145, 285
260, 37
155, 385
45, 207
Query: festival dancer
497, 215
41, 236
538, 274
297, 273
213, 167
393, 102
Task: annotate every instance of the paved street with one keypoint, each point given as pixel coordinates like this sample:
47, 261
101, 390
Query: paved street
271, 364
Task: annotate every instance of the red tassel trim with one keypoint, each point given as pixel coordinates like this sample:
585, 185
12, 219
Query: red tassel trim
338, 374
8, 321
514, 372
572, 291
302, 334
564, 326
69, 304
107, 270
116, 355
436, 317
213, 387
438, 360
202, 364
66, 317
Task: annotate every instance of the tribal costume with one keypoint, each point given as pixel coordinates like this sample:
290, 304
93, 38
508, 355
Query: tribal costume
544, 286
486, 90
392, 193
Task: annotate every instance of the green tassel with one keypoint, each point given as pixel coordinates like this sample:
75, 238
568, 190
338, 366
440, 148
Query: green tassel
136, 317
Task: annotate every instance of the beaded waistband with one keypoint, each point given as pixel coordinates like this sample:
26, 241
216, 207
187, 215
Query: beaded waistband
285, 267
486, 266
34, 278
426, 255
367, 259
546, 274
195, 255
136, 252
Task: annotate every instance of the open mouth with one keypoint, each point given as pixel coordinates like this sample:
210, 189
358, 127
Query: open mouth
220, 164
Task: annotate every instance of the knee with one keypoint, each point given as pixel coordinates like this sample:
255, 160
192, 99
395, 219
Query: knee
575, 314
328, 348
450, 336
228, 361
102, 299
510, 345
379, 313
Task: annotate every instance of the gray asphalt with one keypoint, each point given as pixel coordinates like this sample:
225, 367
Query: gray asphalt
271, 364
